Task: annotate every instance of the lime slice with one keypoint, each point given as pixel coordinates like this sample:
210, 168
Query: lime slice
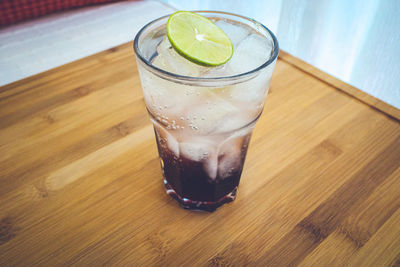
198, 39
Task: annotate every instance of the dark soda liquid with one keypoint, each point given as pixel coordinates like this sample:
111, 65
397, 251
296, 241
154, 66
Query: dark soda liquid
188, 182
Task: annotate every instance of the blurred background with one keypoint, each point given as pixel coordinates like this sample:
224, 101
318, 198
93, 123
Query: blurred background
355, 41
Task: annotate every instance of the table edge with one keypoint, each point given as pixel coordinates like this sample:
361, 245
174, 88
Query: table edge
348, 89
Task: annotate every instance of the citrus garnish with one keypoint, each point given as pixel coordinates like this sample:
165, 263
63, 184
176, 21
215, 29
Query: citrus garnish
198, 39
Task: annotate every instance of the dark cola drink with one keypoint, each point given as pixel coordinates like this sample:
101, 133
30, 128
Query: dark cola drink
202, 172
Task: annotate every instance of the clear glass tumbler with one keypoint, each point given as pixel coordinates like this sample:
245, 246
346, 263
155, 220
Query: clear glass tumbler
203, 124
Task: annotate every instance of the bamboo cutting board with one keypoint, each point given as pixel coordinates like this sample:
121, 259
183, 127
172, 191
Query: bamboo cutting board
80, 181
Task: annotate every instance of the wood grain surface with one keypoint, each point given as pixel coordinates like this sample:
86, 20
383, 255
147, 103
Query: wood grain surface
80, 181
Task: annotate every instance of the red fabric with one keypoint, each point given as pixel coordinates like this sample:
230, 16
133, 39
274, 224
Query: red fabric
13, 11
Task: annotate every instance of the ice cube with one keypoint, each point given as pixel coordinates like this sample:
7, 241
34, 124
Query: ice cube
255, 90
234, 121
201, 150
151, 45
219, 71
196, 148
169, 60
230, 157
172, 144
205, 117
251, 53
235, 32
162, 97
164, 137
210, 165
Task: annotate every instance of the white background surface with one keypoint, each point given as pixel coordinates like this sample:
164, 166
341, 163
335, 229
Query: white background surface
48, 42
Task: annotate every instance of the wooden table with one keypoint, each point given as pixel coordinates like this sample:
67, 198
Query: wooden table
80, 181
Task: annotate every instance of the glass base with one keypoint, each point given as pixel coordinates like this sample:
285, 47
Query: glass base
200, 205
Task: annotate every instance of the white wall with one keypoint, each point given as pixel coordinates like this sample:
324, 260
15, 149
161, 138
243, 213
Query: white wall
356, 41
48, 42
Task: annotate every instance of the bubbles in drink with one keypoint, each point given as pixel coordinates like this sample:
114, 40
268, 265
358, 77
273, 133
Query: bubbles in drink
203, 131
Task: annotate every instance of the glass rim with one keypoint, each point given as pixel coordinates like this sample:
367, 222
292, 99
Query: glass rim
167, 74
